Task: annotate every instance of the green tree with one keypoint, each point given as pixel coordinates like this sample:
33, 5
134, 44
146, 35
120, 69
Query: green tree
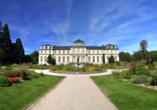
50, 60
6, 44
124, 56
35, 60
143, 45
111, 59
34, 55
20, 49
2, 54
1, 29
153, 56
103, 58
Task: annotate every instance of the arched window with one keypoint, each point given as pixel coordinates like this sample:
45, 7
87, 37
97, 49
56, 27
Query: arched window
89, 59
97, 58
68, 59
115, 47
59, 59
41, 58
45, 58
93, 58
63, 58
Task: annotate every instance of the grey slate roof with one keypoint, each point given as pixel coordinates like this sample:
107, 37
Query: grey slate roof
79, 43
62, 47
47, 45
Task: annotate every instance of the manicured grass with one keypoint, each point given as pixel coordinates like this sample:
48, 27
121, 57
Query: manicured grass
126, 96
26, 93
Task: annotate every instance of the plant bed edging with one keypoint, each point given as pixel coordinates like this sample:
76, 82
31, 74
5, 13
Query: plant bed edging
92, 72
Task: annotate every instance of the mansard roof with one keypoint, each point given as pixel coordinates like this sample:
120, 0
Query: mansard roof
47, 45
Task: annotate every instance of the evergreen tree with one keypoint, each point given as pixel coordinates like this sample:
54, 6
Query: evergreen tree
2, 54
103, 58
50, 60
1, 29
34, 56
6, 44
111, 59
20, 49
35, 60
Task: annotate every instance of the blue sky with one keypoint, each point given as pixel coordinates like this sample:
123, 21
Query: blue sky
124, 23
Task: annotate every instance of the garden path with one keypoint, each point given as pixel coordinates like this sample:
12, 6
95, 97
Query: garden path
75, 92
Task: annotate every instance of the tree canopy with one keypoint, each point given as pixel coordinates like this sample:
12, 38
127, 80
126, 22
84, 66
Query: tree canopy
143, 45
124, 56
111, 59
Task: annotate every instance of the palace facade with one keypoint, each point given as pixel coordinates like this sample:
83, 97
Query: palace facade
78, 52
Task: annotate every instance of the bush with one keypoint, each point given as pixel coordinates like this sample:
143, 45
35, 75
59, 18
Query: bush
133, 68
24, 76
9, 74
140, 69
128, 75
147, 73
4, 82
142, 62
97, 69
154, 80
7, 68
14, 65
118, 64
151, 66
117, 74
14, 80
111, 59
143, 79
32, 76
41, 74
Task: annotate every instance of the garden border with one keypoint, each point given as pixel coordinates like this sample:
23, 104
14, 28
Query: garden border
89, 72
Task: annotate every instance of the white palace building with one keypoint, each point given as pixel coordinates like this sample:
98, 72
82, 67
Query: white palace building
78, 52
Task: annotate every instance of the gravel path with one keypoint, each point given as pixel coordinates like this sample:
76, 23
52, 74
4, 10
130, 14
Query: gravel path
75, 92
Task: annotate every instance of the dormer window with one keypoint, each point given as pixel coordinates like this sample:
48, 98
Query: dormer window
50, 47
115, 47
107, 46
111, 47
45, 47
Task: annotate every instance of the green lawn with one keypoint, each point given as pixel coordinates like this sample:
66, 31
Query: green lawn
126, 96
26, 93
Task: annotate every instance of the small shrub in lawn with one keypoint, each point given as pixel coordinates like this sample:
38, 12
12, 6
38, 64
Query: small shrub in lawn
117, 74
14, 65
24, 76
14, 80
140, 69
41, 74
142, 79
154, 80
128, 75
9, 74
4, 82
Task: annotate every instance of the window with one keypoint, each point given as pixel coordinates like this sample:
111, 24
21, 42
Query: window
45, 51
111, 51
55, 52
63, 52
59, 51
78, 51
115, 47
49, 52
102, 51
73, 58
107, 46
68, 52
97, 58
102, 58
89, 52
93, 58
89, 59
63, 58
45, 47
45, 58
83, 51
49, 47
93, 51
107, 57
115, 57
107, 51
41, 59
74, 51
83, 59
111, 47
59, 59
41, 52
97, 51
115, 51
68, 59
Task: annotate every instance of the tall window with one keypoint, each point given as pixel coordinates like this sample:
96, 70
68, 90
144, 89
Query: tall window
115, 51
73, 58
59, 52
111, 47
111, 51
89, 52
102, 58
107, 51
63, 58
63, 52
93, 58
55, 52
78, 51
68, 59
115, 57
97, 58
45, 47
59, 59
68, 52
41, 52
83, 59
74, 51
89, 59
97, 51
102, 51
115, 47
41, 58
93, 51
45, 51
107, 58
49, 52
45, 58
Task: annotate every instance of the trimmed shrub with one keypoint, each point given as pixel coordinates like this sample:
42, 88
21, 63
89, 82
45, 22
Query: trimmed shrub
140, 69
14, 65
111, 59
4, 82
128, 75
9, 74
154, 80
143, 79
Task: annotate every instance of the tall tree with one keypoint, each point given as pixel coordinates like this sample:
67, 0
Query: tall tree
20, 49
1, 55
1, 29
6, 44
111, 59
34, 56
103, 58
143, 45
50, 59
